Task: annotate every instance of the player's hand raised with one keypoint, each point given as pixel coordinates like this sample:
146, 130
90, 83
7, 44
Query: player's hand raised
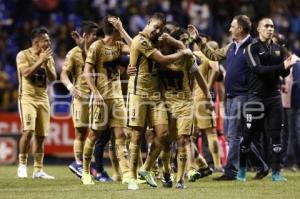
78, 39
45, 54
195, 33
116, 22
165, 37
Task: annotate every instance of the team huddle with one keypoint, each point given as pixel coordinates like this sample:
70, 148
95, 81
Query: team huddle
170, 72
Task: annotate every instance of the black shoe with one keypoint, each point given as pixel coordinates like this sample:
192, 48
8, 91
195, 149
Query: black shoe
166, 180
224, 178
261, 174
205, 172
180, 185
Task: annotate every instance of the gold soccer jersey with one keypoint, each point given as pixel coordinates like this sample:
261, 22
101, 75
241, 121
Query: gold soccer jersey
105, 60
145, 82
74, 64
34, 87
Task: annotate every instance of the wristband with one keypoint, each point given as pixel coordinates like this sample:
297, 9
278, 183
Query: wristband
70, 86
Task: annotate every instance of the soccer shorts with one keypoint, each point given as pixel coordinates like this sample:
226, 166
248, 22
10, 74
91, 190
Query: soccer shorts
35, 116
80, 113
181, 116
204, 118
110, 114
143, 108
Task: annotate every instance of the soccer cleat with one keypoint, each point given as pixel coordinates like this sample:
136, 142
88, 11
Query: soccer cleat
180, 185
147, 175
86, 179
103, 177
224, 178
132, 184
167, 180
22, 171
205, 172
42, 175
261, 174
76, 169
193, 175
126, 178
241, 174
277, 177
141, 179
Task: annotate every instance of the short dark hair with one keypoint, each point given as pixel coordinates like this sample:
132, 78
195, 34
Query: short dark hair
99, 32
244, 22
159, 16
177, 33
37, 32
107, 27
88, 27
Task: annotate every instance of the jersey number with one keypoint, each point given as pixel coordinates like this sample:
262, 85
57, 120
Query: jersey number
172, 80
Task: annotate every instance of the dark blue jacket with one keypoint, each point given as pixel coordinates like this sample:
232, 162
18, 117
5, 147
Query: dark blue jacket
237, 70
295, 98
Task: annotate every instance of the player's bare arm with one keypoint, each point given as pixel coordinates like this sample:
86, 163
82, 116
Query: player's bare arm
169, 40
168, 59
64, 77
117, 23
88, 75
50, 69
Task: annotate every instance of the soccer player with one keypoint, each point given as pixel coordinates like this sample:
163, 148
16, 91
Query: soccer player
73, 66
144, 97
35, 65
176, 78
107, 109
268, 63
204, 118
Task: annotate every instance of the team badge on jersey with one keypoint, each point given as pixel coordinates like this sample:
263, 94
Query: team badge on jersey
277, 52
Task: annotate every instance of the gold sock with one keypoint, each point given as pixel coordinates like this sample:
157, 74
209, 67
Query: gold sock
214, 147
190, 157
201, 162
38, 162
88, 151
140, 159
23, 158
114, 159
181, 163
122, 154
77, 149
166, 161
133, 161
152, 155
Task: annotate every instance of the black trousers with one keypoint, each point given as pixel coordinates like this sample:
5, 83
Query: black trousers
263, 114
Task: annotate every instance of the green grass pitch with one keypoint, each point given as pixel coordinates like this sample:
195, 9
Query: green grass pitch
67, 186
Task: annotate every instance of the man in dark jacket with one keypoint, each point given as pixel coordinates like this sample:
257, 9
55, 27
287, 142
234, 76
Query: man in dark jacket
267, 63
